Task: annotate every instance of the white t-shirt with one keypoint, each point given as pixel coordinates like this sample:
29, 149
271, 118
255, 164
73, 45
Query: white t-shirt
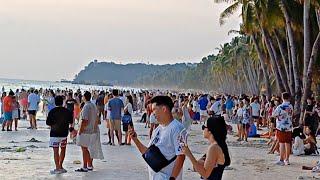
33, 101
255, 107
129, 108
196, 106
239, 112
216, 108
167, 139
107, 109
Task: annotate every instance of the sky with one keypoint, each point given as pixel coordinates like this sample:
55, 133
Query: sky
55, 39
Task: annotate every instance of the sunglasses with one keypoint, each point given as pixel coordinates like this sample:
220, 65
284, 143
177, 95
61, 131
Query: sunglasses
203, 127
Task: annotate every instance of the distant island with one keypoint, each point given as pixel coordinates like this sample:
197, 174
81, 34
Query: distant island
138, 74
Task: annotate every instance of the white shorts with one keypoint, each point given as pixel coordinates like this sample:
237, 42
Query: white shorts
15, 114
84, 140
108, 114
204, 113
56, 142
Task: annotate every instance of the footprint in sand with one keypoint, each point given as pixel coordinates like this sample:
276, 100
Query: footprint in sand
308, 177
34, 140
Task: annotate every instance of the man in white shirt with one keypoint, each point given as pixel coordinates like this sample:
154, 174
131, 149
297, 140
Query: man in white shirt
255, 107
166, 137
216, 107
33, 104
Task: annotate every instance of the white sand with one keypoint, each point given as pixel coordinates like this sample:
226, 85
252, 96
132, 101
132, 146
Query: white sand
125, 162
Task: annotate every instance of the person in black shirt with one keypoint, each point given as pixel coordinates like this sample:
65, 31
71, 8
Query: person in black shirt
308, 114
70, 102
59, 119
100, 104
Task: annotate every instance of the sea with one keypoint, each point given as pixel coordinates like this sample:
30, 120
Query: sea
14, 84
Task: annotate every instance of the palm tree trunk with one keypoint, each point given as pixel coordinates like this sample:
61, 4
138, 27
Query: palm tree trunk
284, 59
253, 81
308, 76
306, 56
293, 48
263, 65
245, 74
273, 60
291, 78
280, 70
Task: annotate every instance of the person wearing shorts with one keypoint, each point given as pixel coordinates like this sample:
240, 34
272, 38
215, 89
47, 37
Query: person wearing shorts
203, 103
15, 113
283, 114
115, 106
7, 108
59, 119
33, 104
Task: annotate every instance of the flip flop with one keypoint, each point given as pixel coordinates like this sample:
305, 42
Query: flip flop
81, 170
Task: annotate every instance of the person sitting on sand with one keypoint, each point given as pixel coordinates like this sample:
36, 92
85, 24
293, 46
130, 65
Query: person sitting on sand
253, 131
298, 146
310, 143
212, 164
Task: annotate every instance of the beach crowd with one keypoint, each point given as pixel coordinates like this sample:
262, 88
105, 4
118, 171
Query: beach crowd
75, 116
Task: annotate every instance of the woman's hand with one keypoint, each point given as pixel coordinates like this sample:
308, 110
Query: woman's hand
132, 133
186, 151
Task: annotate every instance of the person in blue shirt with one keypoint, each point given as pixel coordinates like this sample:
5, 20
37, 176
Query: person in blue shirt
253, 130
229, 106
203, 103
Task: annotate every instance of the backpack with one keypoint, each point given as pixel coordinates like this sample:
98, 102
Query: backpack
126, 118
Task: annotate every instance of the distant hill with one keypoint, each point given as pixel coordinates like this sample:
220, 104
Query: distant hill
147, 75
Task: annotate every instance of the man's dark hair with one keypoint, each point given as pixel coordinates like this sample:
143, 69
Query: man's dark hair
11, 93
286, 96
87, 95
115, 92
58, 100
162, 101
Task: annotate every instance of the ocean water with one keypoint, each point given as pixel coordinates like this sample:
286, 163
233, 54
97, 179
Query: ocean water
27, 84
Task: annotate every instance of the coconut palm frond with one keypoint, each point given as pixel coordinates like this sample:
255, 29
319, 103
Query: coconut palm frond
228, 12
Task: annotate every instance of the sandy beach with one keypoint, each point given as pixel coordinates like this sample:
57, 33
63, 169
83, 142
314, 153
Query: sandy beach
21, 158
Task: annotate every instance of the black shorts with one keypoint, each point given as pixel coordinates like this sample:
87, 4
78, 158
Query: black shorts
308, 121
125, 126
273, 120
245, 126
255, 117
32, 112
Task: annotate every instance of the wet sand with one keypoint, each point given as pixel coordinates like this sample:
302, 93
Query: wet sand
25, 155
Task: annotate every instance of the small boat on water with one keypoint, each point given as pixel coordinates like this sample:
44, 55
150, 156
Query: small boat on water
65, 81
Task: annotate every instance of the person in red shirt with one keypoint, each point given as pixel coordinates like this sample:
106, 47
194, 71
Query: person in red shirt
7, 108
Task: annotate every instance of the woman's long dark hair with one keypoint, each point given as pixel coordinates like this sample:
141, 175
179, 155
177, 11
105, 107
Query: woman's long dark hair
130, 99
218, 127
